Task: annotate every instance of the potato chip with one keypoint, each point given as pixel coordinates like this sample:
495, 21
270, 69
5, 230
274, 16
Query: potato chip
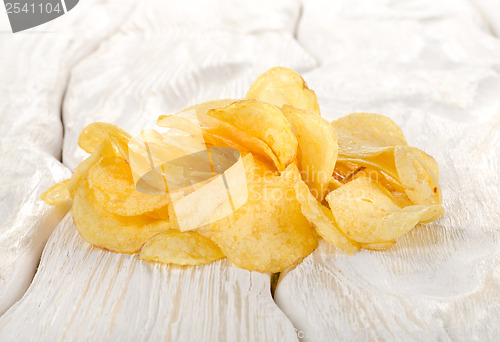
344, 170
400, 198
96, 133
268, 233
383, 162
428, 161
333, 184
160, 214
113, 187
280, 86
322, 218
378, 246
219, 133
416, 176
433, 212
365, 134
317, 148
101, 228
365, 213
57, 194
264, 122
180, 248
354, 182
385, 180
82, 170
394, 189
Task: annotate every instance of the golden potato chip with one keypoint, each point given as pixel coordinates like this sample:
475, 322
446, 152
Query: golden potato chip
82, 170
379, 176
379, 246
264, 122
416, 176
366, 134
383, 162
140, 193
160, 214
333, 184
400, 198
96, 133
365, 213
57, 194
113, 187
432, 213
394, 189
428, 161
101, 228
317, 148
180, 248
344, 170
322, 218
280, 86
172, 216
219, 133
268, 233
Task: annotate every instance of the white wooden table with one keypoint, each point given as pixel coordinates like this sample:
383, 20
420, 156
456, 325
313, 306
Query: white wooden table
432, 66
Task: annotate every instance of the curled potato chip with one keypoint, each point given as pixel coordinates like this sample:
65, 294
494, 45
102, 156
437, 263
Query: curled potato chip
378, 246
96, 133
322, 218
82, 170
113, 187
366, 134
428, 161
57, 194
378, 188
268, 233
280, 86
317, 148
378, 176
180, 248
101, 228
160, 214
432, 213
394, 189
272, 126
219, 133
365, 213
333, 184
416, 176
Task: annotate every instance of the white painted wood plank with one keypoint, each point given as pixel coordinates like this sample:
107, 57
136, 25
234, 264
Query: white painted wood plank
34, 69
82, 293
439, 79
169, 56
155, 64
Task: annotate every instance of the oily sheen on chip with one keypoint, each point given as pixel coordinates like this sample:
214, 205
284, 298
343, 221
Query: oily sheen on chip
353, 182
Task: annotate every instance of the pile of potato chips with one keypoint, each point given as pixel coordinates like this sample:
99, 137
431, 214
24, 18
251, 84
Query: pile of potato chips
354, 182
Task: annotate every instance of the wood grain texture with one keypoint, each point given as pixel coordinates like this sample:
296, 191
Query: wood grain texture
159, 63
439, 80
34, 69
431, 66
82, 293
152, 66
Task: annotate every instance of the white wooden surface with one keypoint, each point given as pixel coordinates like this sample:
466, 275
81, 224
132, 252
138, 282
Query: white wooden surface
83, 293
434, 67
436, 71
34, 71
